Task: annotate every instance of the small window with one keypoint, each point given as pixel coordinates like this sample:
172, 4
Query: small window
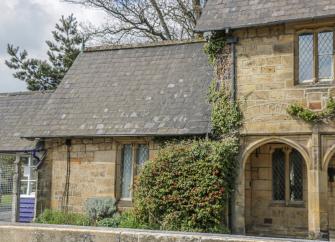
296, 176
278, 175
127, 172
130, 165
315, 59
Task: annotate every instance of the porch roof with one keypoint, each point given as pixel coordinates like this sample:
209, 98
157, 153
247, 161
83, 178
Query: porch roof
142, 90
17, 111
234, 14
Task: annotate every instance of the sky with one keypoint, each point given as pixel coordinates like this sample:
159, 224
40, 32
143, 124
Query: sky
28, 23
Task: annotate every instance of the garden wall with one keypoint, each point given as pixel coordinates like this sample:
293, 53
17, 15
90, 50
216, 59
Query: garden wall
41, 233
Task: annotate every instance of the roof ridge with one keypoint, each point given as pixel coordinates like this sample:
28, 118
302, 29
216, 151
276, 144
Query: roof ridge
9, 94
143, 45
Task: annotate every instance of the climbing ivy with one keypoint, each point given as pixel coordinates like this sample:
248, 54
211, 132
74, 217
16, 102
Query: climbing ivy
214, 46
309, 116
226, 116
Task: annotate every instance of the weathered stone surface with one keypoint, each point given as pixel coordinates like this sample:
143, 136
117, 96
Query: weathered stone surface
54, 233
94, 169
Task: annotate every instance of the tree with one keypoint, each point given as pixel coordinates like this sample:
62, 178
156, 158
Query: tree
146, 20
63, 50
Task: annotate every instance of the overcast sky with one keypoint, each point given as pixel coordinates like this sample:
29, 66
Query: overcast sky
28, 23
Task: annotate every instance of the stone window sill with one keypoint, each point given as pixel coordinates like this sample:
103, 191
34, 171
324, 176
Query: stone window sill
297, 204
316, 84
122, 204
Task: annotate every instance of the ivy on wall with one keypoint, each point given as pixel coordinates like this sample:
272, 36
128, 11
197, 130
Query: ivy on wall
309, 116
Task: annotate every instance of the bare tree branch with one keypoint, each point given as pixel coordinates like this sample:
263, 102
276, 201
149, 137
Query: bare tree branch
145, 20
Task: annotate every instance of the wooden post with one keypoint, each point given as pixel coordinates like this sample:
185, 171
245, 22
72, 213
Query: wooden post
16, 190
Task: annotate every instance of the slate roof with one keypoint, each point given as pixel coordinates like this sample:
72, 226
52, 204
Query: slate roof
159, 89
17, 111
234, 14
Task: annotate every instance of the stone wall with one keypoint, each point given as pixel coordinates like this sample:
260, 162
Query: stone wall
266, 80
95, 170
46, 233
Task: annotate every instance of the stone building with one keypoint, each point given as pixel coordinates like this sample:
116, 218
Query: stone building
283, 53
105, 118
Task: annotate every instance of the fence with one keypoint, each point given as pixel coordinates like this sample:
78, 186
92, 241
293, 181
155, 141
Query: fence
6, 186
17, 187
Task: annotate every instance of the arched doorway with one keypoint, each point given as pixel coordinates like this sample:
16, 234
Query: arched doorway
276, 194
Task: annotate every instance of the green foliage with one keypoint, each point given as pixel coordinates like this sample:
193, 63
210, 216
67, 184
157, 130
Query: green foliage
63, 50
129, 220
112, 222
126, 219
214, 46
100, 208
186, 187
309, 116
226, 116
57, 217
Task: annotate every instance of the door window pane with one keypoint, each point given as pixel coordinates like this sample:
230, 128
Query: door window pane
296, 176
306, 57
325, 51
28, 176
127, 172
278, 175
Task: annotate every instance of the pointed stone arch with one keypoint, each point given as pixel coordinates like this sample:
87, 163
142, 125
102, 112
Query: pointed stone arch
240, 196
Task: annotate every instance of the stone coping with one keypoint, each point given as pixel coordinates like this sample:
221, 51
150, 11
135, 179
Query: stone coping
13, 231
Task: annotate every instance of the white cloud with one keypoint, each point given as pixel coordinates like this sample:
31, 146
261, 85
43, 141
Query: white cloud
28, 23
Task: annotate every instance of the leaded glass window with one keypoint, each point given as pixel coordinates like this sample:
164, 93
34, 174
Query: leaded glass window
127, 171
325, 55
306, 57
296, 176
142, 154
278, 175
316, 50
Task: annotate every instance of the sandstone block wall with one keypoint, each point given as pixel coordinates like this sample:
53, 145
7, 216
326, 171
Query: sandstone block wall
266, 80
95, 170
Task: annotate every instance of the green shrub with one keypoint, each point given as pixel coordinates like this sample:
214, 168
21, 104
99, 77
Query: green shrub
58, 217
112, 222
130, 221
186, 187
126, 219
100, 208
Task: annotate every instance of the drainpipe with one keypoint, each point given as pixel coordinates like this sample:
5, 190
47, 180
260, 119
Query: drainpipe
232, 40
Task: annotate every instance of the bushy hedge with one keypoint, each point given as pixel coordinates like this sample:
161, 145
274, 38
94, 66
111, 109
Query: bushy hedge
186, 187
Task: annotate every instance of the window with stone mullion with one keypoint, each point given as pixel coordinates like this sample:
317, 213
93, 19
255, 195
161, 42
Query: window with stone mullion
315, 57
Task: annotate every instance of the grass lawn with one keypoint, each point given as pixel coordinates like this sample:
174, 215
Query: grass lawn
6, 200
